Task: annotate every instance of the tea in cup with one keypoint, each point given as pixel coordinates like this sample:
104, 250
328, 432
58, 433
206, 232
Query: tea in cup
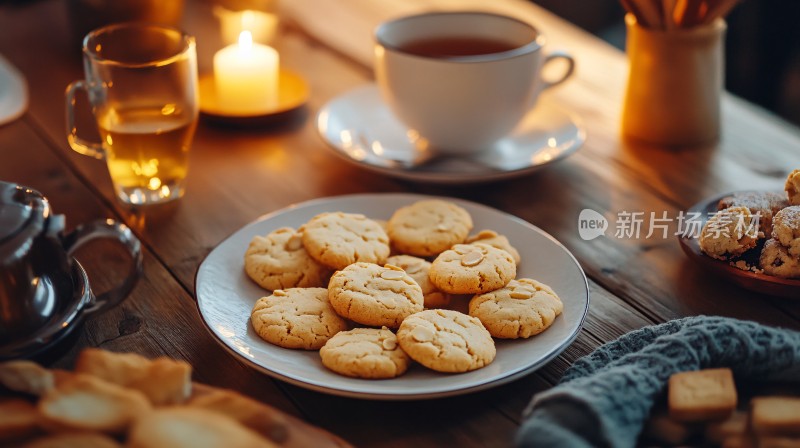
141, 80
462, 80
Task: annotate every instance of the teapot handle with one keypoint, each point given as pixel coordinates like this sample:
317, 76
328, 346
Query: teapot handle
122, 234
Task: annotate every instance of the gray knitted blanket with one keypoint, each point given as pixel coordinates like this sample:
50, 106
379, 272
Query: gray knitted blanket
604, 399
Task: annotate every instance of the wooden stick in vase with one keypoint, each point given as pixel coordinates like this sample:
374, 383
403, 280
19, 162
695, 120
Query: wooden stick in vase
668, 14
631, 8
651, 12
721, 8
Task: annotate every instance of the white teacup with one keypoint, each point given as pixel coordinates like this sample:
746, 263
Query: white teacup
461, 80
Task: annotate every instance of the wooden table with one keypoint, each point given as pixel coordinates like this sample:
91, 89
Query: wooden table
236, 176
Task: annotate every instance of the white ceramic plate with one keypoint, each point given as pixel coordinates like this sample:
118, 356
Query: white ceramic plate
359, 128
225, 297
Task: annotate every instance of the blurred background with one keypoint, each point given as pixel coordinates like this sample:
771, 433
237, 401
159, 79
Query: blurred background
762, 47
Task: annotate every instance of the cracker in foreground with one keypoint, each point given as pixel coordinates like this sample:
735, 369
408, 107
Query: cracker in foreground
298, 318
521, 309
279, 261
729, 233
163, 381
776, 416
374, 295
429, 227
86, 403
702, 395
446, 341
26, 377
74, 440
370, 353
472, 269
339, 239
182, 427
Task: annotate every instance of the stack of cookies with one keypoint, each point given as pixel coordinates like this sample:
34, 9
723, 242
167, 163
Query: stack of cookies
766, 222
374, 296
703, 410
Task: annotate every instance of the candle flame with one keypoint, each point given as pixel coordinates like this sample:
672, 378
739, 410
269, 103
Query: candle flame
245, 40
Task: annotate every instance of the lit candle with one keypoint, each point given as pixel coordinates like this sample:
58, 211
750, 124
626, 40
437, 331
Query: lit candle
263, 25
246, 76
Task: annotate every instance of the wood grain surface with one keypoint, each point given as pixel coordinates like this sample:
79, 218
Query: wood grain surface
238, 175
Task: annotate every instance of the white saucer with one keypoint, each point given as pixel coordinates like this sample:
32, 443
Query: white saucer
225, 298
13, 92
361, 129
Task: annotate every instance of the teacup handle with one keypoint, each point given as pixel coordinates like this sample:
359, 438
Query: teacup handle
115, 231
567, 73
78, 144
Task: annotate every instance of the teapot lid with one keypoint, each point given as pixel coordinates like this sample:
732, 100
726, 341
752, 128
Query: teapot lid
23, 213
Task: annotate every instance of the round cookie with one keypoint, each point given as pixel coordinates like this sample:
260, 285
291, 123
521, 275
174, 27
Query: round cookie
341, 239
472, 269
764, 203
728, 233
776, 260
365, 353
446, 341
279, 261
428, 227
418, 269
792, 187
494, 239
786, 229
373, 295
521, 309
296, 318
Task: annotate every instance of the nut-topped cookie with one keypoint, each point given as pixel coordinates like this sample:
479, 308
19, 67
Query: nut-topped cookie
428, 227
418, 269
786, 229
341, 239
300, 318
521, 309
279, 261
446, 341
472, 269
792, 187
374, 295
494, 239
764, 203
729, 233
365, 353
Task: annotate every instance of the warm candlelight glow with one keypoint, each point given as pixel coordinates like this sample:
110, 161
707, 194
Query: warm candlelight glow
246, 76
262, 25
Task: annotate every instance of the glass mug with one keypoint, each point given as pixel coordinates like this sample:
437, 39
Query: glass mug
141, 80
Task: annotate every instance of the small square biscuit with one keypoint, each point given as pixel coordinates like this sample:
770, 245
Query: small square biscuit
702, 395
736, 425
778, 416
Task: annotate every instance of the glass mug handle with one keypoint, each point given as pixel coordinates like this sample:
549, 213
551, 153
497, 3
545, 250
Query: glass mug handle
120, 233
567, 73
78, 144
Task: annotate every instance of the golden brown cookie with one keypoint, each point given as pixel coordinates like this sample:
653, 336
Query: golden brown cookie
418, 269
74, 440
494, 239
786, 229
183, 427
472, 269
279, 261
446, 341
18, 419
374, 295
521, 309
365, 353
300, 318
776, 260
776, 416
26, 377
340, 239
764, 203
702, 395
792, 187
428, 227
729, 233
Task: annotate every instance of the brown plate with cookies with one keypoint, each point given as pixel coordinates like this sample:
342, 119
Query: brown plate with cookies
755, 256
392, 296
